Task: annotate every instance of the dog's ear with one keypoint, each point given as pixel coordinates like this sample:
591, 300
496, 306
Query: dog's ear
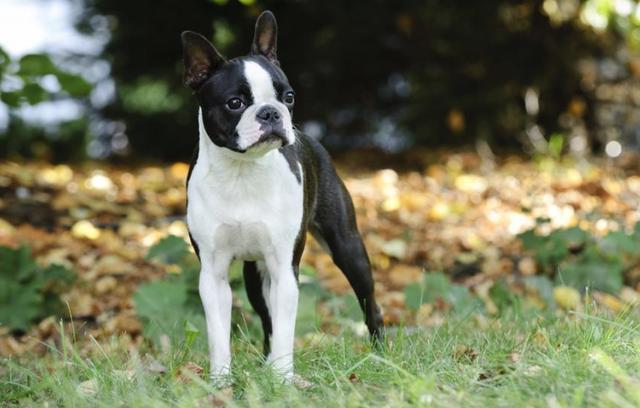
200, 57
265, 38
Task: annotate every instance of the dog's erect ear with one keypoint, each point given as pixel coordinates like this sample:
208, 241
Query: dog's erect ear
201, 59
265, 38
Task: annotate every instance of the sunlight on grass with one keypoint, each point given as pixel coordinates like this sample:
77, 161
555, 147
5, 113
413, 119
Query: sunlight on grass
523, 358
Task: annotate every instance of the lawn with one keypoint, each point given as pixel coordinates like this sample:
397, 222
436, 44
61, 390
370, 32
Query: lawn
524, 357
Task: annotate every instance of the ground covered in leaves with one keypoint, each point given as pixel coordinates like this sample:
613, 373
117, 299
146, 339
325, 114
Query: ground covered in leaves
459, 216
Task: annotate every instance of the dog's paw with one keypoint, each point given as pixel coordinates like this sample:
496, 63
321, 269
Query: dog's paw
221, 382
299, 382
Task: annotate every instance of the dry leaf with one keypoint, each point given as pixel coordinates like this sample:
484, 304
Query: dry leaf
566, 297
609, 301
403, 275
88, 388
188, 371
85, 230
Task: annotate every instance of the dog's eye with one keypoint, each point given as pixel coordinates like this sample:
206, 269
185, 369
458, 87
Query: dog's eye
235, 104
289, 98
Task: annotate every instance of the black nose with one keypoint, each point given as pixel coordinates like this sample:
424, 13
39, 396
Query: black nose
268, 115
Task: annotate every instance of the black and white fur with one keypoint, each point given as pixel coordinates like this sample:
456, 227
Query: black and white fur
255, 187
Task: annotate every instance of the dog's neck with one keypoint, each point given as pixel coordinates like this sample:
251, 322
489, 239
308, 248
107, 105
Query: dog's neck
218, 157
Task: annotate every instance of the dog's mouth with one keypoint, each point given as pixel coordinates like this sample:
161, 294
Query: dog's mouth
271, 137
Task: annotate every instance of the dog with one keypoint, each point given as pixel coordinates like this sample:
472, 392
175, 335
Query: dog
255, 187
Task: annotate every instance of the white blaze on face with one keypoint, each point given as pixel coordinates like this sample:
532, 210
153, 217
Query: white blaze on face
263, 93
260, 83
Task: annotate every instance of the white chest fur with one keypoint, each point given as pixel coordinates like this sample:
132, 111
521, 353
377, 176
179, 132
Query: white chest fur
244, 208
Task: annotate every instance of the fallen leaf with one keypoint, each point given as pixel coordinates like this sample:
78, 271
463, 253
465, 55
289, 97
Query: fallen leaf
153, 366
464, 352
88, 388
85, 230
424, 314
514, 357
302, 383
527, 266
6, 228
396, 248
105, 284
630, 296
123, 323
403, 275
609, 301
566, 297
188, 371
471, 183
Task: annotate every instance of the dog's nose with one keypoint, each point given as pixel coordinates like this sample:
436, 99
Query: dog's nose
268, 115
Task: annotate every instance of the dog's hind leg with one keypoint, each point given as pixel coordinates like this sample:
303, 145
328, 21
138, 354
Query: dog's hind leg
334, 226
254, 283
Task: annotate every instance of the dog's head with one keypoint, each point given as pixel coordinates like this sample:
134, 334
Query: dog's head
246, 102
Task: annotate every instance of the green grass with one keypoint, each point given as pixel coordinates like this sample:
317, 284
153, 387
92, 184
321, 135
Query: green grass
523, 358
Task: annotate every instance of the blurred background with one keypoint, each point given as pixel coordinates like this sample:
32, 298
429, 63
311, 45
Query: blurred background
102, 79
491, 149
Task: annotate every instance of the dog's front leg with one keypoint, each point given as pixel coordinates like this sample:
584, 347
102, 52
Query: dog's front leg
215, 294
283, 306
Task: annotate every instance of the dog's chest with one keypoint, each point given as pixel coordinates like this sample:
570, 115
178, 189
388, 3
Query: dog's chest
243, 208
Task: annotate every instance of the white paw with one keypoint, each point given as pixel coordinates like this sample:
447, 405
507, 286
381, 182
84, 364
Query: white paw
299, 382
220, 381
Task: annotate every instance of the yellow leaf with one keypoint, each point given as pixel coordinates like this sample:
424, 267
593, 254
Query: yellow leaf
609, 301
179, 170
471, 183
6, 228
630, 296
568, 298
391, 204
84, 229
439, 211
423, 314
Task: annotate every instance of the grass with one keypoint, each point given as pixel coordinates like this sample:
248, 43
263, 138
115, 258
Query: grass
523, 358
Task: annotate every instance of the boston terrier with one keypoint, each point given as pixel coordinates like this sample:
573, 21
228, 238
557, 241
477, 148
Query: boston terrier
256, 185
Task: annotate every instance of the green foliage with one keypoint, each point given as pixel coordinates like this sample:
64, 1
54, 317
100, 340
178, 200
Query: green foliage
169, 250
436, 286
167, 306
581, 260
23, 82
28, 73
550, 250
29, 292
148, 96
423, 63
556, 144
544, 288
311, 294
74, 85
503, 297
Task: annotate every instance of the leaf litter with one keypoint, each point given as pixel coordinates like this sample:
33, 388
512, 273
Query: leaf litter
447, 212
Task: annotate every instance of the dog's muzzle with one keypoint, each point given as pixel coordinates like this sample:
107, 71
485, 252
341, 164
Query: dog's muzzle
272, 134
